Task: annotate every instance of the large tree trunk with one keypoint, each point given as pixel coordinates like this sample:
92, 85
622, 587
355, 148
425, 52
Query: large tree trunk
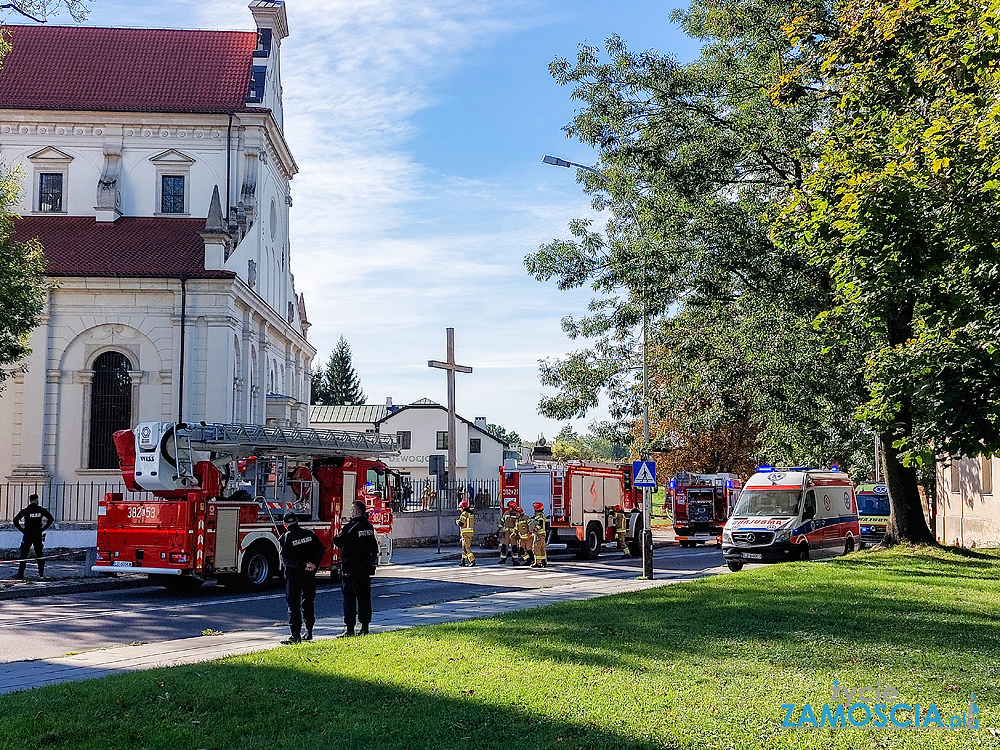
906, 513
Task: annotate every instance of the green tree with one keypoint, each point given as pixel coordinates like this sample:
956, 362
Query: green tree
22, 284
337, 383
692, 158
902, 209
508, 437
22, 264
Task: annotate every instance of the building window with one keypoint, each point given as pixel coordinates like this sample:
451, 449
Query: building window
476, 445
110, 407
403, 437
954, 474
172, 194
258, 76
442, 441
50, 192
986, 481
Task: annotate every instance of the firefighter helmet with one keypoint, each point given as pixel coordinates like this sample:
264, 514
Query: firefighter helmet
519, 509
538, 506
464, 505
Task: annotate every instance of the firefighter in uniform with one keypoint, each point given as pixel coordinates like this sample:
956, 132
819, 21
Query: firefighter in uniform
301, 554
32, 522
504, 527
466, 523
621, 527
523, 535
538, 528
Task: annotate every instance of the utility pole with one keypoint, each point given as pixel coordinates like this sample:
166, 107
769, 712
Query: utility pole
451, 368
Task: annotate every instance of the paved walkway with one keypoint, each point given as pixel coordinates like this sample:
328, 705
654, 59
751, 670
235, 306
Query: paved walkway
24, 675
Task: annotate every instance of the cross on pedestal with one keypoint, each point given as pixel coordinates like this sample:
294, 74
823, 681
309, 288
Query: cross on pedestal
451, 368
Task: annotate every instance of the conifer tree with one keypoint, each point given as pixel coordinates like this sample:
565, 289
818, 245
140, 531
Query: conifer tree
337, 383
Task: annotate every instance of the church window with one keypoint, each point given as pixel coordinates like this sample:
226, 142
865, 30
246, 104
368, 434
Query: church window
110, 407
50, 192
172, 194
442, 441
257, 78
264, 39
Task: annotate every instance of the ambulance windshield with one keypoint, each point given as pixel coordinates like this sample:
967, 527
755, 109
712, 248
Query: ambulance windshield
873, 505
768, 503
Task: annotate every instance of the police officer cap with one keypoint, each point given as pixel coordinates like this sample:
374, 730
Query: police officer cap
291, 518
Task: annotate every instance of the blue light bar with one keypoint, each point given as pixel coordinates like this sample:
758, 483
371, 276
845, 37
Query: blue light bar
765, 469
799, 468
834, 468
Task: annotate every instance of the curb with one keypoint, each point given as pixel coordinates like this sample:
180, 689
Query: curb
84, 586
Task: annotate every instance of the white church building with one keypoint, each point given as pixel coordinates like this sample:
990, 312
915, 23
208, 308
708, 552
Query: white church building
157, 179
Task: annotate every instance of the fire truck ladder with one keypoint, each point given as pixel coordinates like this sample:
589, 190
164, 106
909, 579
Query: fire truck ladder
229, 442
241, 440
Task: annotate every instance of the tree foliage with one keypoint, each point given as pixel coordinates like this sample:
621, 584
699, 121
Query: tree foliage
22, 284
693, 157
902, 210
43, 10
508, 437
597, 445
337, 383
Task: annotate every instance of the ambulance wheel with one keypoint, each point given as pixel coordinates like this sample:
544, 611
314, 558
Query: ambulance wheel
259, 567
734, 566
177, 584
592, 542
803, 551
849, 545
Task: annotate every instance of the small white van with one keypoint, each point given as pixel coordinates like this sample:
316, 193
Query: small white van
791, 514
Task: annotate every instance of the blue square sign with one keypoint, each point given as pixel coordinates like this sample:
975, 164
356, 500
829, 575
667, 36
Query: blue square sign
643, 473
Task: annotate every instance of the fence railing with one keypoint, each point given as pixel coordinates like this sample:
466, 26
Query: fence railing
76, 502
68, 502
424, 494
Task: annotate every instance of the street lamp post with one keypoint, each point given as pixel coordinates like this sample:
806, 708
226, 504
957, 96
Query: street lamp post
647, 500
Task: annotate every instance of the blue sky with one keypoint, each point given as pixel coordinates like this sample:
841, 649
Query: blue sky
419, 126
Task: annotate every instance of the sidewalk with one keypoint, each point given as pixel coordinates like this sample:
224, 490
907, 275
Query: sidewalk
71, 576
25, 675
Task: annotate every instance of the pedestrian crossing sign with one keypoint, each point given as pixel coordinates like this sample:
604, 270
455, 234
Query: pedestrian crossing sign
643, 474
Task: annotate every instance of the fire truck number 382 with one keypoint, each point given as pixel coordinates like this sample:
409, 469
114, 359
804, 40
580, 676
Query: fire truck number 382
141, 513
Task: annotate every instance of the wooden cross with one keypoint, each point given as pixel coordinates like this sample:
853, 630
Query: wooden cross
451, 368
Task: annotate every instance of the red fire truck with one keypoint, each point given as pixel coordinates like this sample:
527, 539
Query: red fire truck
700, 505
219, 492
579, 499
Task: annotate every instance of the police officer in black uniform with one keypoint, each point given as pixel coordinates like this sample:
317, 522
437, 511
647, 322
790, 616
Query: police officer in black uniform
360, 557
301, 554
32, 522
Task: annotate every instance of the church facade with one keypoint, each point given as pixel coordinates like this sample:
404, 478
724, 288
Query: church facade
157, 179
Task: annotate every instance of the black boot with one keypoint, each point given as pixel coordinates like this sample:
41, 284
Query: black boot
348, 633
292, 639
364, 628
309, 635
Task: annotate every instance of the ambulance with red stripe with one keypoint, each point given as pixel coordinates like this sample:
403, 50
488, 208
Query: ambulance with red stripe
791, 514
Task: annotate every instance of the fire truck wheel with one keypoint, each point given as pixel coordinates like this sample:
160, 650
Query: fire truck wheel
734, 566
259, 566
593, 542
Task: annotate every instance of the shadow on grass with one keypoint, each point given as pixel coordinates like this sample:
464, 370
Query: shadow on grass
885, 604
241, 704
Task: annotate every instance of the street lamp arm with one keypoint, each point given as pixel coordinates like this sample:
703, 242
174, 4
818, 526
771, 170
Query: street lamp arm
555, 161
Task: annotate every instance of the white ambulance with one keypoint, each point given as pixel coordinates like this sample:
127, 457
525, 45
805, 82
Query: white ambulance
791, 514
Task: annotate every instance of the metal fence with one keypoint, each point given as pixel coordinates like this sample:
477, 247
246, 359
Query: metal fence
67, 502
424, 494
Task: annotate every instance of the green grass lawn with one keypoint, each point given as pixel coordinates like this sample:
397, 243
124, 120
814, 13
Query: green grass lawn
704, 664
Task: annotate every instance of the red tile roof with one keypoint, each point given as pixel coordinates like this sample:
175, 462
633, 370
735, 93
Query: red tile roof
131, 246
126, 70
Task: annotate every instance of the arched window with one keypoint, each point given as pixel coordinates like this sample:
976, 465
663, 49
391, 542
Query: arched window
237, 383
110, 407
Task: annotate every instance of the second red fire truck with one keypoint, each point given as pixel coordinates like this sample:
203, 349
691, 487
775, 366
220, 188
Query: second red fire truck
217, 494
700, 505
579, 498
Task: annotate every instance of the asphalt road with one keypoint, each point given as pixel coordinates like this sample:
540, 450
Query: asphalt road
45, 627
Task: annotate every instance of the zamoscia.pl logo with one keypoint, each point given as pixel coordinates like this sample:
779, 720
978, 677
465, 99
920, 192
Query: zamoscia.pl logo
873, 706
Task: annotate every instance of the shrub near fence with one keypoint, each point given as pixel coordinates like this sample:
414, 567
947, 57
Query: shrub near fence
67, 502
